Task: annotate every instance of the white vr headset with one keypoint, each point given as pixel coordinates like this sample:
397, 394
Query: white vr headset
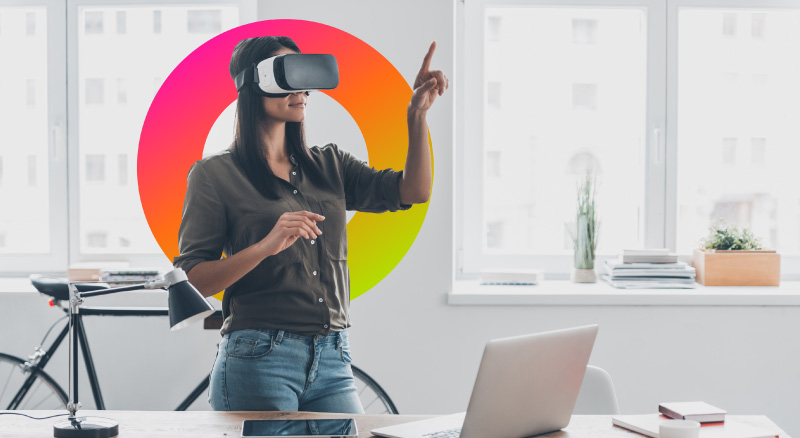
282, 75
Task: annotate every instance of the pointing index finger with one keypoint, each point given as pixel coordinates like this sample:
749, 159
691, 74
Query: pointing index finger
426, 63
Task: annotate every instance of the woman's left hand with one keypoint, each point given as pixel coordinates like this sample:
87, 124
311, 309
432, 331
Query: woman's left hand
428, 85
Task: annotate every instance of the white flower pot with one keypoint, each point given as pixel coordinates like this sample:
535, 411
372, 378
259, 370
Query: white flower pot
583, 276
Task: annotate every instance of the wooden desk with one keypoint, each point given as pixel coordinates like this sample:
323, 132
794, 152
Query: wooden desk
208, 424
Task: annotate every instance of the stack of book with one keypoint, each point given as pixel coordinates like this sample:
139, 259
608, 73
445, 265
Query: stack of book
128, 276
649, 269
92, 271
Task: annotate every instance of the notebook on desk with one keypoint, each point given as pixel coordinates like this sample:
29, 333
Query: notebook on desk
647, 424
526, 385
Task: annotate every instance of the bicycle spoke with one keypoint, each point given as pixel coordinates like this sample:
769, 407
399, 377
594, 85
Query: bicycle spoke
32, 393
52, 394
11, 373
371, 403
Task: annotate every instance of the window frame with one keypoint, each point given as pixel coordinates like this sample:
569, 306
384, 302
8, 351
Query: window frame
470, 258
659, 224
247, 14
790, 262
56, 259
62, 123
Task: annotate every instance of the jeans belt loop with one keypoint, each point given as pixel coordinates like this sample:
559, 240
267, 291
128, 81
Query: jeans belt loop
339, 341
279, 337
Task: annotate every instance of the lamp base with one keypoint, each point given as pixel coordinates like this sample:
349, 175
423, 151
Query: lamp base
86, 427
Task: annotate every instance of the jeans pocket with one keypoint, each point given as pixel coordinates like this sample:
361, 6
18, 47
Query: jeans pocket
345, 352
250, 344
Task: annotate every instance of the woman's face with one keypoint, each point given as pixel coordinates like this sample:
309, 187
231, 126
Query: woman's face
291, 108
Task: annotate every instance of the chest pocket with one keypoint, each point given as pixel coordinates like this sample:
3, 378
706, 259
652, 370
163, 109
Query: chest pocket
334, 228
256, 226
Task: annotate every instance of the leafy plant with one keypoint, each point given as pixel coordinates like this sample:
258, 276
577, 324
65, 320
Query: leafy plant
585, 238
723, 236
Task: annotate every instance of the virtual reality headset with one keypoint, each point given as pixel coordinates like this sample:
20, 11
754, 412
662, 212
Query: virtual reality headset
282, 75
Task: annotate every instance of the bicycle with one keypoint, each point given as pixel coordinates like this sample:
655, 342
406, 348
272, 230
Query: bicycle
25, 385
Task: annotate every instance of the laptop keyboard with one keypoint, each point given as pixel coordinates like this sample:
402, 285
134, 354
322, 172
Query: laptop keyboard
450, 433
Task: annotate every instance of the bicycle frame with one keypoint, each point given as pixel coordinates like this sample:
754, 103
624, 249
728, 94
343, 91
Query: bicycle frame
37, 361
83, 345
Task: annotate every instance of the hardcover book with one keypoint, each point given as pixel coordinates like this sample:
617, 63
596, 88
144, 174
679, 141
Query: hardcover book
698, 411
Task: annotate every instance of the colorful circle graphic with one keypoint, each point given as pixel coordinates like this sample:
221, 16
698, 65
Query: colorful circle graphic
200, 88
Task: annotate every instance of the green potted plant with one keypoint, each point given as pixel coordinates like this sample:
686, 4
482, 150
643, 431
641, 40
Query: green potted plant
733, 256
585, 237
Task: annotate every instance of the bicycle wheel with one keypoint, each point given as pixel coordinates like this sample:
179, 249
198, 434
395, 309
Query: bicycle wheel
44, 393
373, 398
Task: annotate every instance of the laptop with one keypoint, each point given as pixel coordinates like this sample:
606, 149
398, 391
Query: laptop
526, 385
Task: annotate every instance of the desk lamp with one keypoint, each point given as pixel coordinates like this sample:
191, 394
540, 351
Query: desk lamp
186, 306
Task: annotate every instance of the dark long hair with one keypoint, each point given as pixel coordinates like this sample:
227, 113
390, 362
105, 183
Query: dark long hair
247, 142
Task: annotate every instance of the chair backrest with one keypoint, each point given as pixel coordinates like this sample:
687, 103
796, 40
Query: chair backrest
597, 395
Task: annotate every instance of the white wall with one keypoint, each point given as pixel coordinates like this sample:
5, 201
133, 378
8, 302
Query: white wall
424, 352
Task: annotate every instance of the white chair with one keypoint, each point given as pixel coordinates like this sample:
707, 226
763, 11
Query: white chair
597, 395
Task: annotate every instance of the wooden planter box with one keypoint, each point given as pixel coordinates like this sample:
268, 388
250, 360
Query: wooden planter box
737, 268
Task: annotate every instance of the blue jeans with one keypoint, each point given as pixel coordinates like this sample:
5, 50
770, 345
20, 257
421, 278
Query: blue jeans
274, 370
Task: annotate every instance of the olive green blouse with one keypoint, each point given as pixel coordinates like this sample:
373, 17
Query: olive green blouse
305, 288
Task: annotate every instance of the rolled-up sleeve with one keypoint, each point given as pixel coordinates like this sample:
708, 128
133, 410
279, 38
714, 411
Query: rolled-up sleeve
367, 189
202, 233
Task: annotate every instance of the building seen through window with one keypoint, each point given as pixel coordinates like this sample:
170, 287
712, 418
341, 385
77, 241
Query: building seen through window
120, 76
545, 107
750, 180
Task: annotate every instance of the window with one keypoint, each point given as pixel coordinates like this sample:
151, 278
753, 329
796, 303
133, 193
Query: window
584, 96
678, 138
26, 175
95, 168
88, 158
729, 24
122, 91
96, 239
31, 93
30, 23
729, 150
758, 24
495, 25
204, 21
759, 150
747, 185
156, 21
94, 91
137, 78
122, 22
584, 31
93, 23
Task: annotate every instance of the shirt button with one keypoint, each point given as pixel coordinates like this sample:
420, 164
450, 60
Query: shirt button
321, 300
325, 326
295, 192
312, 242
315, 272
294, 173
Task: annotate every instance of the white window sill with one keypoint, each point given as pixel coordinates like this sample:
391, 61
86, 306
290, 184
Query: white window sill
16, 284
566, 293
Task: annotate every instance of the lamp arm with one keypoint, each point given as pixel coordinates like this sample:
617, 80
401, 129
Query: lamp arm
160, 284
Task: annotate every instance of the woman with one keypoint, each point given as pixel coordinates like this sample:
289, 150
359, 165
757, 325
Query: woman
276, 208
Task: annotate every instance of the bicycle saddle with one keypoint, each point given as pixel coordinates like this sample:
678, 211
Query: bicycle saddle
58, 288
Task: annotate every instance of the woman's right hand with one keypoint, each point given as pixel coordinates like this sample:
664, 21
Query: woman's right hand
290, 227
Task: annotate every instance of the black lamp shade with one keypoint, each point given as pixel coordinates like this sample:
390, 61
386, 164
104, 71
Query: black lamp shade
186, 305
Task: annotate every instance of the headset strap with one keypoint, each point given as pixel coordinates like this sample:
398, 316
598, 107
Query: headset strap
245, 77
